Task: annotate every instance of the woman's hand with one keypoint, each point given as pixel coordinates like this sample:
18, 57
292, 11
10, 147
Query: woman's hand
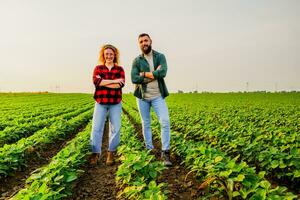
118, 81
113, 85
105, 82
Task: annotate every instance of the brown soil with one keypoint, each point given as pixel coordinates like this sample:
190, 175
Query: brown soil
98, 181
181, 183
35, 159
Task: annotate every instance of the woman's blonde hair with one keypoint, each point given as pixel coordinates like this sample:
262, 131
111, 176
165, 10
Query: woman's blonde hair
114, 49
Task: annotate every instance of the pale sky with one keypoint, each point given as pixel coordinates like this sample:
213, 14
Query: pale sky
210, 45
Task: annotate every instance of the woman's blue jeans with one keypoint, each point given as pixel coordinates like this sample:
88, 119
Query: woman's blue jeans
99, 117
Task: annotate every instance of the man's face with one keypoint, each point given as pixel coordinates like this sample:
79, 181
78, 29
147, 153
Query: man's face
145, 44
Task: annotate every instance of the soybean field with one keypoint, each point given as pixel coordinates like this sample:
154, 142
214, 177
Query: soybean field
223, 146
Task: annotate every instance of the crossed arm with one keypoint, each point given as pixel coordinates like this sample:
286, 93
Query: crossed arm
109, 83
148, 76
116, 83
138, 77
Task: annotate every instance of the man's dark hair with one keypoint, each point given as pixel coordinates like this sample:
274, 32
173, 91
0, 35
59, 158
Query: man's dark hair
143, 34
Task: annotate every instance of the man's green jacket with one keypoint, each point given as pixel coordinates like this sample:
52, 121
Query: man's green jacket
140, 64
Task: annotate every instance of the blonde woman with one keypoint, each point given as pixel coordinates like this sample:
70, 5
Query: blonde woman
109, 79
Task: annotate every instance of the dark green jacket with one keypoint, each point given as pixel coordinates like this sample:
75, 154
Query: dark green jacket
140, 64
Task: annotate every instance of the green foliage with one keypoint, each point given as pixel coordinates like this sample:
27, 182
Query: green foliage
54, 181
262, 128
225, 177
13, 133
12, 157
138, 169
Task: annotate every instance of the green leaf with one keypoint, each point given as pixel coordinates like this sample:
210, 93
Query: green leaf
282, 165
218, 159
225, 173
240, 177
43, 188
137, 166
296, 173
58, 178
265, 184
260, 194
153, 174
274, 164
235, 194
71, 177
261, 174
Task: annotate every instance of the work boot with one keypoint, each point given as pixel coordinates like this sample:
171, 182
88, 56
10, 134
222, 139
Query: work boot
94, 158
165, 156
152, 152
110, 158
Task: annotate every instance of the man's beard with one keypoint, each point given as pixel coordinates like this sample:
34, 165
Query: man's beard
148, 50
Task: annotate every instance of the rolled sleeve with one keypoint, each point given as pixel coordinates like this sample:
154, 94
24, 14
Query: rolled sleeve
96, 76
122, 75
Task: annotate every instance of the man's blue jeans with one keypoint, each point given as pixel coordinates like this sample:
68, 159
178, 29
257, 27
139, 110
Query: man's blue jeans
161, 110
99, 118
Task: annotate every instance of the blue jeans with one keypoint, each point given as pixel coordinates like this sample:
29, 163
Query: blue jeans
161, 110
99, 117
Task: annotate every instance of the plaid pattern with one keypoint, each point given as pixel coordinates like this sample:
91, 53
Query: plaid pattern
104, 95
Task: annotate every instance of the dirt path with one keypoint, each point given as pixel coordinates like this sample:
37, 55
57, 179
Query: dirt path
97, 182
40, 157
180, 186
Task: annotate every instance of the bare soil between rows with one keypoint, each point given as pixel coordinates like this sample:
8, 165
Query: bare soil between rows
98, 181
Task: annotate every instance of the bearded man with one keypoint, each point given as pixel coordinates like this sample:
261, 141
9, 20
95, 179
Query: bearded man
147, 73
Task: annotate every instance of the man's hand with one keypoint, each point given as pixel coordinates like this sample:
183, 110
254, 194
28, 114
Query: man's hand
149, 74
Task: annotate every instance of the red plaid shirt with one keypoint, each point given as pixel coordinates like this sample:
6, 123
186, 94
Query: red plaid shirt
105, 95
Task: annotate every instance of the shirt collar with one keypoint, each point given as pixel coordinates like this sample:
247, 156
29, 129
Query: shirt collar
111, 67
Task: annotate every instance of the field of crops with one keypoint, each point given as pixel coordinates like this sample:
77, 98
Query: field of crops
224, 146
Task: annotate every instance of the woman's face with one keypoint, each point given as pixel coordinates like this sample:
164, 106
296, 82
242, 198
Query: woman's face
109, 55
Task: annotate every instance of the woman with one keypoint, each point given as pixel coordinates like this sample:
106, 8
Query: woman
109, 79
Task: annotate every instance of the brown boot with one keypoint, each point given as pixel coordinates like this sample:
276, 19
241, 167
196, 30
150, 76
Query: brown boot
94, 158
110, 158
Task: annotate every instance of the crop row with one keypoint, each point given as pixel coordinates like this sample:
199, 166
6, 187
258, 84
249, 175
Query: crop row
13, 134
135, 176
24, 106
265, 133
223, 176
138, 171
34, 114
271, 149
55, 180
12, 157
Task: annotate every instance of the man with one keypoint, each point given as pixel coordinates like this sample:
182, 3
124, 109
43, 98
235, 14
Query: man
148, 72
